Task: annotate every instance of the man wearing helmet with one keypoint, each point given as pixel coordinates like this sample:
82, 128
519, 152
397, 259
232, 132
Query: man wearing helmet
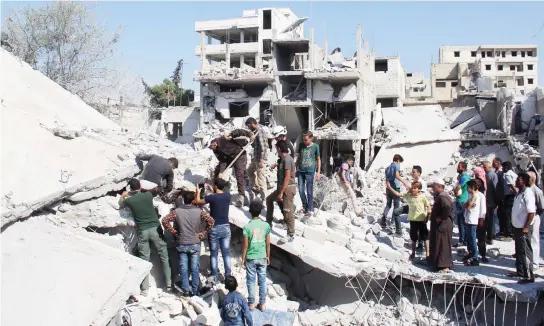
280, 133
226, 149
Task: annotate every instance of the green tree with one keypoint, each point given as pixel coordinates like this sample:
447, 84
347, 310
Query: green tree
168, 94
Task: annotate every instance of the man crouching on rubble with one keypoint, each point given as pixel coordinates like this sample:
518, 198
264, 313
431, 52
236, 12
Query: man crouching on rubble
226, 149
188, 219
156, 170
148, 228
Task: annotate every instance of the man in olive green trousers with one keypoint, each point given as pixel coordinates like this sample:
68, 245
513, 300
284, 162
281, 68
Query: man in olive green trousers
149, 230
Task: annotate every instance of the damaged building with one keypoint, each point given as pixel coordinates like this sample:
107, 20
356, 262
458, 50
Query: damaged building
263, 65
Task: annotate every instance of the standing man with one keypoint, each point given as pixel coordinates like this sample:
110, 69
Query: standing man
285, 193
441, 229
308, 164
497, 165
189, 234
225, 150
158, 170
256, 254
219, 236
539, 202
257, 168
491, 199
461, 192
234, 309
280, 133
392, 176
148, 228
523, 212
474, 219
509, 187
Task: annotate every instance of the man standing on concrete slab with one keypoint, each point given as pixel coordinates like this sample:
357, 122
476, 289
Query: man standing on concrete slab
148, 228
441, 229
537, 220
523, 212
285, 193
225, 150
256, 254
257, 167
491, 199
392, 176
461, 192
189, 234
505, 216
308, 164
475, 210
219, 236
159, 171
497, 165
280, 133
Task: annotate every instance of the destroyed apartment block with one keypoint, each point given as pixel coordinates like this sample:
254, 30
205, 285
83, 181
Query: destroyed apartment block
294, 83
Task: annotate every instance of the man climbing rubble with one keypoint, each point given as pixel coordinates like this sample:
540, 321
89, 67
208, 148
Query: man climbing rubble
226, 149
280, 133
188, 219
159, 171
392, 176
285, 192
257, 168
148, 228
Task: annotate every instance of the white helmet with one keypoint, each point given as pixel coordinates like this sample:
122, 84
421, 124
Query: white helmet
279, 131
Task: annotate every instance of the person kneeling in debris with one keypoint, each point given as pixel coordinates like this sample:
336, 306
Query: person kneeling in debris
156, 170
256, 254
188, 219
285, 192
234, 309
149, 229
475, 210
419, 210
226, 149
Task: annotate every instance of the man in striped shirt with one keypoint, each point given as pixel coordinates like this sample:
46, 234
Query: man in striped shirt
257, 168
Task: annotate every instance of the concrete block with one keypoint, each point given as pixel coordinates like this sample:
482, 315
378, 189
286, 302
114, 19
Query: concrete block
371, 238
279, 277
360, 246
314, 234
362, 257
281, 289
170, 304
388, 253
338, 223
163, 316
376, 228
276, 263
359, 235
371, 219
340, 239
271, 292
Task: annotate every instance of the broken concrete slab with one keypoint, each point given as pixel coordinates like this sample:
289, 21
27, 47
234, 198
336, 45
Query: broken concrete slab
464, 119
43, 266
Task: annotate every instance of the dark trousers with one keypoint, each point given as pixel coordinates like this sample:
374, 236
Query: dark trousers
489, 225
524, 253
239, 171
481, 233
505, 216
460, 214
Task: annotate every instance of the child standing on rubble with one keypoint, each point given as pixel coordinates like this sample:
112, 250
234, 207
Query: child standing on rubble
345, 171
234, 309
475, 210
256, 254
419, 211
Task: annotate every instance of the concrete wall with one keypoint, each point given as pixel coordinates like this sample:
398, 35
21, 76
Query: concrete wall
488, 112
390, 83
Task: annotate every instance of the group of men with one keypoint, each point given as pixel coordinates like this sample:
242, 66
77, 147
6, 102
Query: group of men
495, 189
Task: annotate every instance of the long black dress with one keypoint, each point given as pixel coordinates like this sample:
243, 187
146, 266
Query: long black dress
441, 232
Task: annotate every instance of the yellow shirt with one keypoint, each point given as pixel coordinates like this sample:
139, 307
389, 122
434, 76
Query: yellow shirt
417, 207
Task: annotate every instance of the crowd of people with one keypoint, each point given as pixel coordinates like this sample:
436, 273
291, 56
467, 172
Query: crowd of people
494, 190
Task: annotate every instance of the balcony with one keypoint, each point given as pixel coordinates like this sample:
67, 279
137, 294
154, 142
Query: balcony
235, 48
222, 24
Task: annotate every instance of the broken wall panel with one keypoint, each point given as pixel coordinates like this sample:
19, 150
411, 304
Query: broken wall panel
66, 278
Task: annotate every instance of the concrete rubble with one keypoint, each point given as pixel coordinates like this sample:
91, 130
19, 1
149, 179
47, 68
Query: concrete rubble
322, 278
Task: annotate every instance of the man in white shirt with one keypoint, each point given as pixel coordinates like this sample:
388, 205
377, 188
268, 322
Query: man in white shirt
475, 209
523, 212
539, 202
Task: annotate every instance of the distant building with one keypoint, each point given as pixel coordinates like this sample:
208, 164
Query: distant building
390, 81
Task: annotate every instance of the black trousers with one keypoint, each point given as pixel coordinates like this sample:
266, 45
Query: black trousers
524, 253
481, 232
505, 216
490, 222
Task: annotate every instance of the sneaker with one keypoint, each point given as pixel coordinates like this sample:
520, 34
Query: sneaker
526, 280
459, 244
187, 294
289, 238
467, 257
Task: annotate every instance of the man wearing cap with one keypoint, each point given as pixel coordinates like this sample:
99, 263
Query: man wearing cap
257, 167
226, 149
441, 229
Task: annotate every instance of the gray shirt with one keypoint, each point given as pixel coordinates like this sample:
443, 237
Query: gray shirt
189, 224
539, 198
286, 162
156, 169
491, 191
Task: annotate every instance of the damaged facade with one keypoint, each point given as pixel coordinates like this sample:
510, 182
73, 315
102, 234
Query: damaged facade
262, 65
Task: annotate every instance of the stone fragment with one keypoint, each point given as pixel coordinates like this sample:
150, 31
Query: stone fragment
358, 235
360, 246
376, 228
314, 234
371, 219
163, 316
398, 242
281, 289
340, 239
270, 291
338, 223
493, 252
371, 238
388, 253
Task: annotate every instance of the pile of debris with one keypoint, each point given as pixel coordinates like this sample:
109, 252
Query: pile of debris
337, 62
220, 69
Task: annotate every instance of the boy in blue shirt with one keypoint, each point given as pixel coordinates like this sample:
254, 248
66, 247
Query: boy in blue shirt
234, 309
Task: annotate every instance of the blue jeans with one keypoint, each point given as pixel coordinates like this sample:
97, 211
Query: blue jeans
256, 266
396, 218
219, 237
189, 258
306, 182
391, 199
460, 213
471, 241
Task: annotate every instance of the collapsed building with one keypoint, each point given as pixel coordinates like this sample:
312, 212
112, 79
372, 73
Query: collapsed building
343, 269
